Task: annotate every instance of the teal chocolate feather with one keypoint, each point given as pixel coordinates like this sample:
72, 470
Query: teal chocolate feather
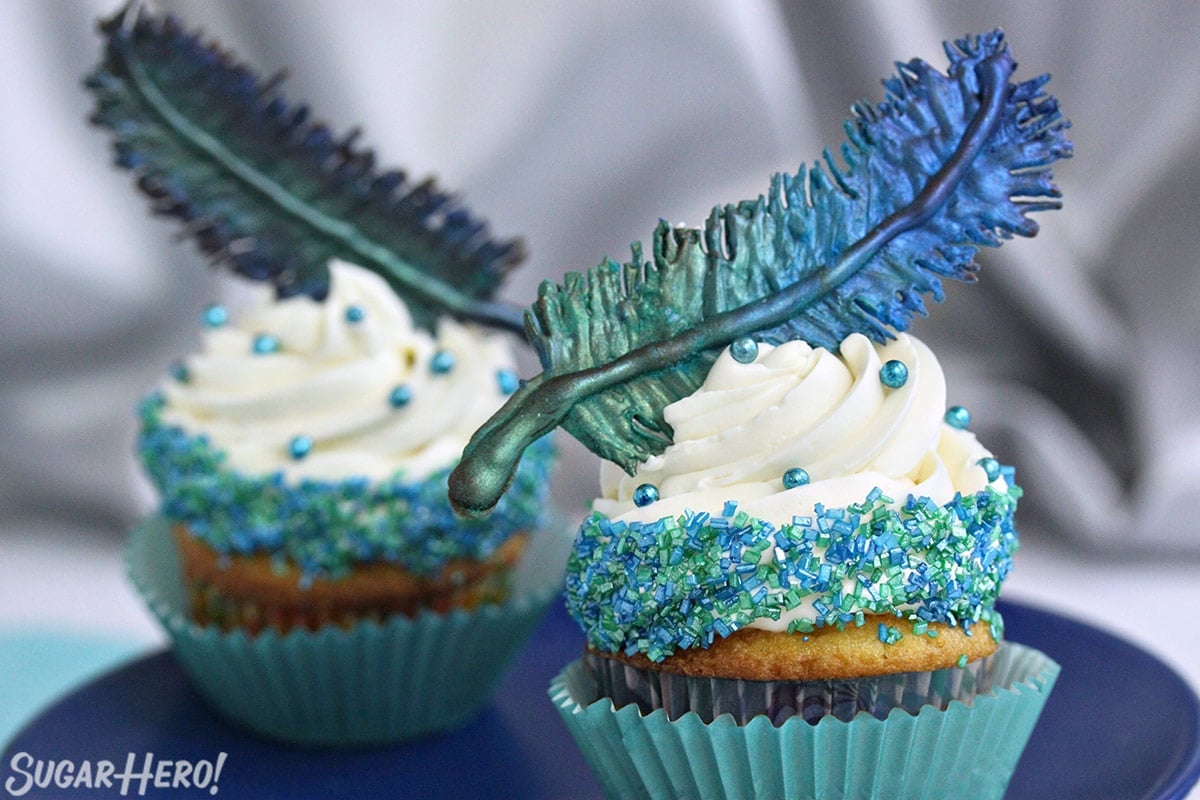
274, 195
946, 164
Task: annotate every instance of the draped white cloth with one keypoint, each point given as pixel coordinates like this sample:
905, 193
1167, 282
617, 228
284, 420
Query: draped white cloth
577, 126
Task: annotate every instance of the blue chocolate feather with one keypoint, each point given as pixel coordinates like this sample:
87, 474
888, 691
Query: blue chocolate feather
265, 190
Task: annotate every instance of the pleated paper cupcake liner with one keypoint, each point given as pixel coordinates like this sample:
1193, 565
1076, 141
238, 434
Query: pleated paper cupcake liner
780, 701
956, 752
372, 683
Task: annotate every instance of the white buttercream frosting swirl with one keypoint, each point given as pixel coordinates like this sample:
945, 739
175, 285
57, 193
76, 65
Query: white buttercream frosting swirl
330, 379
799, 406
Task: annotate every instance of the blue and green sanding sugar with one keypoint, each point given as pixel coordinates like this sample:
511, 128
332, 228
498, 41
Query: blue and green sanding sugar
680, 582
325, 527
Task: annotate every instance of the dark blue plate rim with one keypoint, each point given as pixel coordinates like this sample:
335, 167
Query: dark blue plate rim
1173, 785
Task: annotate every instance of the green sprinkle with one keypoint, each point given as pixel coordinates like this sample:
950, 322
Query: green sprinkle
889, 634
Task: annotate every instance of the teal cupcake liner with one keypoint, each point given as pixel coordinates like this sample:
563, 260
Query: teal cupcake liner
961, 751
373, 683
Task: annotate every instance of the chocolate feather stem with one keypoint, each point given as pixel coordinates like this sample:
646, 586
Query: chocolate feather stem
491, 457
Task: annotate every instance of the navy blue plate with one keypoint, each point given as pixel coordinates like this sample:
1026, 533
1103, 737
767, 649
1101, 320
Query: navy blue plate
1119, 724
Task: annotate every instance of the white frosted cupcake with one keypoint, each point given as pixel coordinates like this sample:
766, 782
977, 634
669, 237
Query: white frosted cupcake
301, 457
822, 545
791, 590
306, 560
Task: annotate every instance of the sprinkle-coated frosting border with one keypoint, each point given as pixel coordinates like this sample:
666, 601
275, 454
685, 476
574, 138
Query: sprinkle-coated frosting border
325, 527
680, 582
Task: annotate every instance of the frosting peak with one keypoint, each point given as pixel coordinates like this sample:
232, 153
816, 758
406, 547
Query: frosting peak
799, 406
328, 371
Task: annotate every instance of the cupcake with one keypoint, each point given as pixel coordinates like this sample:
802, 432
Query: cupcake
788, 583
815, 520
324, 592
305, 560
725, 583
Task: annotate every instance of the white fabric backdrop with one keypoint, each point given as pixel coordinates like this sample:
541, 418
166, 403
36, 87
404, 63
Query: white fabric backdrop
577, 126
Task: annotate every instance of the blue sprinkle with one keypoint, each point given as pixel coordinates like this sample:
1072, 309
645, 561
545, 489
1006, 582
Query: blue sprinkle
442, 362
719, 579
894, 374
355, 314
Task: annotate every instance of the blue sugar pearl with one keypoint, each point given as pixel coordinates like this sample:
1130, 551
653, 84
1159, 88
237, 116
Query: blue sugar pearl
744, 350
958, 417
442, 362
991, 467
645, 494
894, 374
265, 343
400, 396
355, 314
300, 446
508, 381
795, 477
214, 316
179, 371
